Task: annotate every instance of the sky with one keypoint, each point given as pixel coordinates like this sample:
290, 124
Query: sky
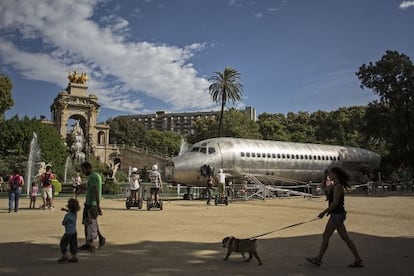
142, 56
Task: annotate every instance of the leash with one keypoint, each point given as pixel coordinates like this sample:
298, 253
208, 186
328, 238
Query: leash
283, 228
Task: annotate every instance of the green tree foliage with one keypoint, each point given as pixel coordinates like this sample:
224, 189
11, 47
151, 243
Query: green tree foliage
15, 138
235, 124
6, 100
339, 127
203, 128
126, 130
164, 142
392, 79
226, 87
273, 126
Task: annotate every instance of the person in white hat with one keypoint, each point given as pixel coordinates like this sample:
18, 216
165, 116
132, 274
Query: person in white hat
156, 184
134, 181
221, 179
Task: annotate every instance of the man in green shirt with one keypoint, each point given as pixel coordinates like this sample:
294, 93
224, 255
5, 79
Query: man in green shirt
92, 198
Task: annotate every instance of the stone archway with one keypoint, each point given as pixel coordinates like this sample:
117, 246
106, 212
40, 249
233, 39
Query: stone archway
75, 103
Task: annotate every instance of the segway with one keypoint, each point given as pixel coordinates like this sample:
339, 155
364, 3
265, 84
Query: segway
154, 205
221, 200
133, 203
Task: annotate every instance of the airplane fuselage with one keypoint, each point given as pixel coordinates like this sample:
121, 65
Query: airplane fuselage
302, 162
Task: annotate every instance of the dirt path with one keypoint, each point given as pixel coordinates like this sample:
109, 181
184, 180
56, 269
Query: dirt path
185, 238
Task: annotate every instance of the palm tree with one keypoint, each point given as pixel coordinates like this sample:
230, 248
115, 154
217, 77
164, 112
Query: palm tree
225, 87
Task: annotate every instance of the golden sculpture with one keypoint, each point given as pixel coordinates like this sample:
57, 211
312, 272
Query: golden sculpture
75, 77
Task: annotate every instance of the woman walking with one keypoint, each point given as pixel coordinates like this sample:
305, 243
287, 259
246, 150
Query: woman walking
335, 181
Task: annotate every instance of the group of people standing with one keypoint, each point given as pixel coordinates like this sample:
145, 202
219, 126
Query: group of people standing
155, 179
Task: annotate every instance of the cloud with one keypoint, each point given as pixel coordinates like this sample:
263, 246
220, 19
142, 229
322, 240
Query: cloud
45, 39
259, 15
406, 4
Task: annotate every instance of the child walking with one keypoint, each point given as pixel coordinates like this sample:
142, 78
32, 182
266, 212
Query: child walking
34, 190
70, 237
92, 228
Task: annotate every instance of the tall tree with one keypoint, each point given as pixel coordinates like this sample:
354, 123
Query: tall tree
235, 124
6, 100
392, 79
226, 87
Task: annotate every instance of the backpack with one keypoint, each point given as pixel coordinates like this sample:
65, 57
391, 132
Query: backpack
15, 183
46, 180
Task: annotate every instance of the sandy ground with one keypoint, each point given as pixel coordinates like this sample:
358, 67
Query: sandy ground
185, 238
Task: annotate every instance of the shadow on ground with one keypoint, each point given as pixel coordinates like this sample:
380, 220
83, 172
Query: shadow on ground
281, 256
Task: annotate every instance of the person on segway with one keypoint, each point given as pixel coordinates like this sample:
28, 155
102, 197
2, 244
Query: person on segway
221, 179
134, 181
156, 184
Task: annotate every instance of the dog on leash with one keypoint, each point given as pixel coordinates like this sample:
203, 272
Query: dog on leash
241, 246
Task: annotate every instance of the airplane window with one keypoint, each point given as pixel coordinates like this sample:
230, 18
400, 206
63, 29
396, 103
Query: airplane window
273, 155
269, 155
288, 156
242, 154
211, 150
283, 156
306, 156
314, 157
330, 158
203, 150
301, 156
319, 157
247, 154
339, 159
263, 154
310, 157
278, 155
258, 154
297, 156
253, 154
195, 149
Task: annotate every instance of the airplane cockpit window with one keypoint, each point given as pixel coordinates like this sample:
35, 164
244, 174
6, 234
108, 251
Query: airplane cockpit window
211, 150
203, 149
195, 149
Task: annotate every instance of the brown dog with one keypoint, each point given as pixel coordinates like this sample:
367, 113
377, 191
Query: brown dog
241, 246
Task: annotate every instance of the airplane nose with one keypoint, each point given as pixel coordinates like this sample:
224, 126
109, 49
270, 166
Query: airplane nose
169, 171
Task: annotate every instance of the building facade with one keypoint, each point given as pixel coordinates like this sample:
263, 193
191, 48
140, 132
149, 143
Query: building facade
181, 123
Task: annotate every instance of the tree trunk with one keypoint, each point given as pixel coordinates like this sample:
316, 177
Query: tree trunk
223, 103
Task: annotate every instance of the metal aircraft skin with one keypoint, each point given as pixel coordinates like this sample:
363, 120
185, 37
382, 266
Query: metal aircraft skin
302, 162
